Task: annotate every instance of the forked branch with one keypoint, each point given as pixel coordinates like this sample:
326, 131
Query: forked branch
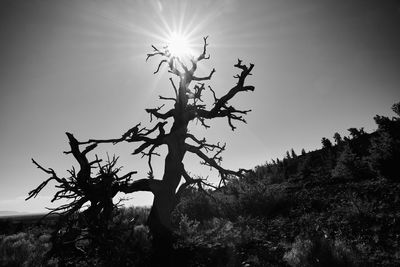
220, 107
155, 112
204, 78
213, 162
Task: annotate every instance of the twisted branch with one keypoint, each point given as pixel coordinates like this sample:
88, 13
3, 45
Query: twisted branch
220, 106
213, 162
82, 187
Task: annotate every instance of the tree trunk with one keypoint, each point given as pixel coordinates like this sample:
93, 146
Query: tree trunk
164, 202
159, 222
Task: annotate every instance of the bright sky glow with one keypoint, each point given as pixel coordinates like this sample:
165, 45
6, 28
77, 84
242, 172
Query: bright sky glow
178, 45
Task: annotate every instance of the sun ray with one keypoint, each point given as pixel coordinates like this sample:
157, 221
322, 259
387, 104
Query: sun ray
181, 18
177, 25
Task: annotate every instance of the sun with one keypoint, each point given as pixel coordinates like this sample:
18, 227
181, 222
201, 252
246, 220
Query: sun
179, 45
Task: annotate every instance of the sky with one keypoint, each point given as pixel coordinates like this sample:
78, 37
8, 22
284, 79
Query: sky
79, 66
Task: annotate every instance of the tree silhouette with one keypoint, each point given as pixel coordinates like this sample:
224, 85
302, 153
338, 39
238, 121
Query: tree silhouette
188, 105
326, 143
93, 185
293, 154
356, 133
337, 138
385, 146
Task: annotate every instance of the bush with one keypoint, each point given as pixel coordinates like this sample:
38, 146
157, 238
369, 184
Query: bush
385, 146
128, 239
350, 166
238, 198
262, 200
24, 249
219, 232
385, 156
135, 215
187, 227
125, 242
196, 205
215, 242
319, 252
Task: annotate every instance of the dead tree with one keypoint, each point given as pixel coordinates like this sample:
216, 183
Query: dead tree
83, 188
86, 191
188, 105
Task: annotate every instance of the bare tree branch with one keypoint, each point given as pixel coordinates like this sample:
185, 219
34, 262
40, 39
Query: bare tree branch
167, 58
189, 181
173, 86
203, 55
82, 187
159, 65
155, 112
156, 52
35, 192
200, 57
211, 162
166, 98
214, 95
198, 90
149, 185
149, 155
220, 107
204, 78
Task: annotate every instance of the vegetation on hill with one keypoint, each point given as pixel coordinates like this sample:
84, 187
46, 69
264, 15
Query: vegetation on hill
336, 206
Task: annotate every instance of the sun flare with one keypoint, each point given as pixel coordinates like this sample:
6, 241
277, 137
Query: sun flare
179, 45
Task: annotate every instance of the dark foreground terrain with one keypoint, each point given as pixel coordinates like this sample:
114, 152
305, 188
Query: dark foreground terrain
337, 223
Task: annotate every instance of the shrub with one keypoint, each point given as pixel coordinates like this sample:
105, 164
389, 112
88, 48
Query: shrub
188, 227
350, 166
238, 198
219, 232
385, 146
135, 215
24, 249
215, 242
360, 208
128, 239
319, 252
385, 156
262, 200
196, 205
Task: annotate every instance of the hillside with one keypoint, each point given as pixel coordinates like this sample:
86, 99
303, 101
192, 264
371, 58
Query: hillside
336, 206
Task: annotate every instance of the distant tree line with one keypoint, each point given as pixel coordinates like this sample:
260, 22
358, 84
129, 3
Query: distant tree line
357, 156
